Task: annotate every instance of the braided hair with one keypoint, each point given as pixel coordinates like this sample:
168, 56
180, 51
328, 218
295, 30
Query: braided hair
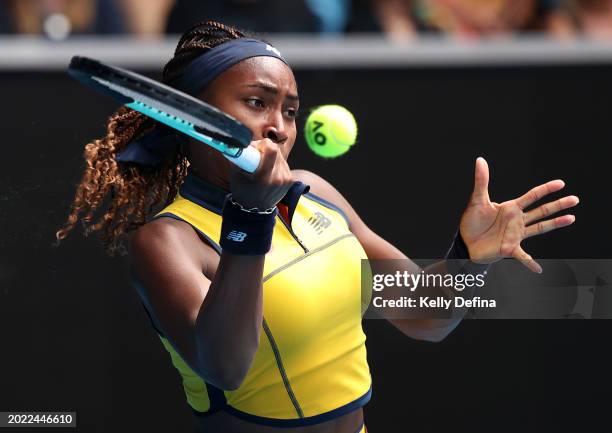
134, 191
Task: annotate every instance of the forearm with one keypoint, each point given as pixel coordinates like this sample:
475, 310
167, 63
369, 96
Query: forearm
229, 321
422, 320
443, 321
228, 325
430, 284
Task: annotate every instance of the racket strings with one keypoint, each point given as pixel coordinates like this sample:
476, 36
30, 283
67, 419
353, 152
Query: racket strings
155, 92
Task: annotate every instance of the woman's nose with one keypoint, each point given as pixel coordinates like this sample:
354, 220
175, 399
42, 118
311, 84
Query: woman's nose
275, 130
276, 135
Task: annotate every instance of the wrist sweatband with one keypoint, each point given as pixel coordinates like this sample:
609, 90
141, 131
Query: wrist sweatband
245, 233
459, 261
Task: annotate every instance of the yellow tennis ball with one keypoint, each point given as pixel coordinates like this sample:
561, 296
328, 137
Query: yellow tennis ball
330, 130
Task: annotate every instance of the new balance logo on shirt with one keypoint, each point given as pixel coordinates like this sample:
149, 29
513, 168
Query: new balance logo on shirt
319, 222
236, 236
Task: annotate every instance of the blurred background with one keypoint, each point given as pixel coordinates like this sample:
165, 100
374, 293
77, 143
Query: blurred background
433, 85
396, 19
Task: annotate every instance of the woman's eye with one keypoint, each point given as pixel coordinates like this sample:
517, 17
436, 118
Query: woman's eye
255, 102
292, 113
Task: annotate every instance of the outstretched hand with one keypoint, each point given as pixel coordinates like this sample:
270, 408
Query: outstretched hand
492, 231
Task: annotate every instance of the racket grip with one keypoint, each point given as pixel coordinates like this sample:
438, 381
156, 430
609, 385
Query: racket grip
248, 160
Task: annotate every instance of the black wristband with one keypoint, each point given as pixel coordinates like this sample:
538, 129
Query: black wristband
245, 233
459, 261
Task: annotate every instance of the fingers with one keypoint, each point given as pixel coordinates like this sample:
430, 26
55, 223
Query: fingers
520, 255
538, 192
268, 184
551, 208
269, 154
271, 162
481, 182
549, 225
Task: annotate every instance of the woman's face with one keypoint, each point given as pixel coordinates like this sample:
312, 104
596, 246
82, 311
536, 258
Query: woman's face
260, 92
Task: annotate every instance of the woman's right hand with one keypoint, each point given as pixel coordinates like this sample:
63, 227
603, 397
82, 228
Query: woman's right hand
265, 187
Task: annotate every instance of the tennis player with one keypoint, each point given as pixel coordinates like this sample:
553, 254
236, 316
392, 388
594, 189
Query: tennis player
252, 281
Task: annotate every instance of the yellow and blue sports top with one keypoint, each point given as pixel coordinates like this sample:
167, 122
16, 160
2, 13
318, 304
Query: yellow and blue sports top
311, 363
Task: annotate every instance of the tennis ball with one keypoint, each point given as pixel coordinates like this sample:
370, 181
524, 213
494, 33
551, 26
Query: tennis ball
330, 130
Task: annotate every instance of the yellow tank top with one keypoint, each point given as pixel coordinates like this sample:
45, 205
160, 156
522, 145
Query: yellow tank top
311, 363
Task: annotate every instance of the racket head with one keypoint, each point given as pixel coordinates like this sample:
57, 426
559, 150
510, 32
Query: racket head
129, 87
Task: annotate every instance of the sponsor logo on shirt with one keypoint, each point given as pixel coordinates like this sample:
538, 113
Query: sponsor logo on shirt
319, 222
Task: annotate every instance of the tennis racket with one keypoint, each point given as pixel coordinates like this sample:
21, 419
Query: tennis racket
171, 107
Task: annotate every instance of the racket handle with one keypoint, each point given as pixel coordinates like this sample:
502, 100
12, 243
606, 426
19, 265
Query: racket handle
248, 160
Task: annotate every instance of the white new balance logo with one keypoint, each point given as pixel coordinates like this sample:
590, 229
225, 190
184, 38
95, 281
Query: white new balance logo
236, 236
319, 222
274, 50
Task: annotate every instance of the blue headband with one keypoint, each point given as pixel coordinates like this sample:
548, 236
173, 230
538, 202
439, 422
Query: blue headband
155, 147
211, 64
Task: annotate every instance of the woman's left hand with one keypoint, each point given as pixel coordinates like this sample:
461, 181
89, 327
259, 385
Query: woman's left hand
492, 231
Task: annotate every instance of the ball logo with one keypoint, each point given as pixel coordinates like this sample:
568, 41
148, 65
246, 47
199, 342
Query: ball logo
274, 50
236, 236
319, 138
